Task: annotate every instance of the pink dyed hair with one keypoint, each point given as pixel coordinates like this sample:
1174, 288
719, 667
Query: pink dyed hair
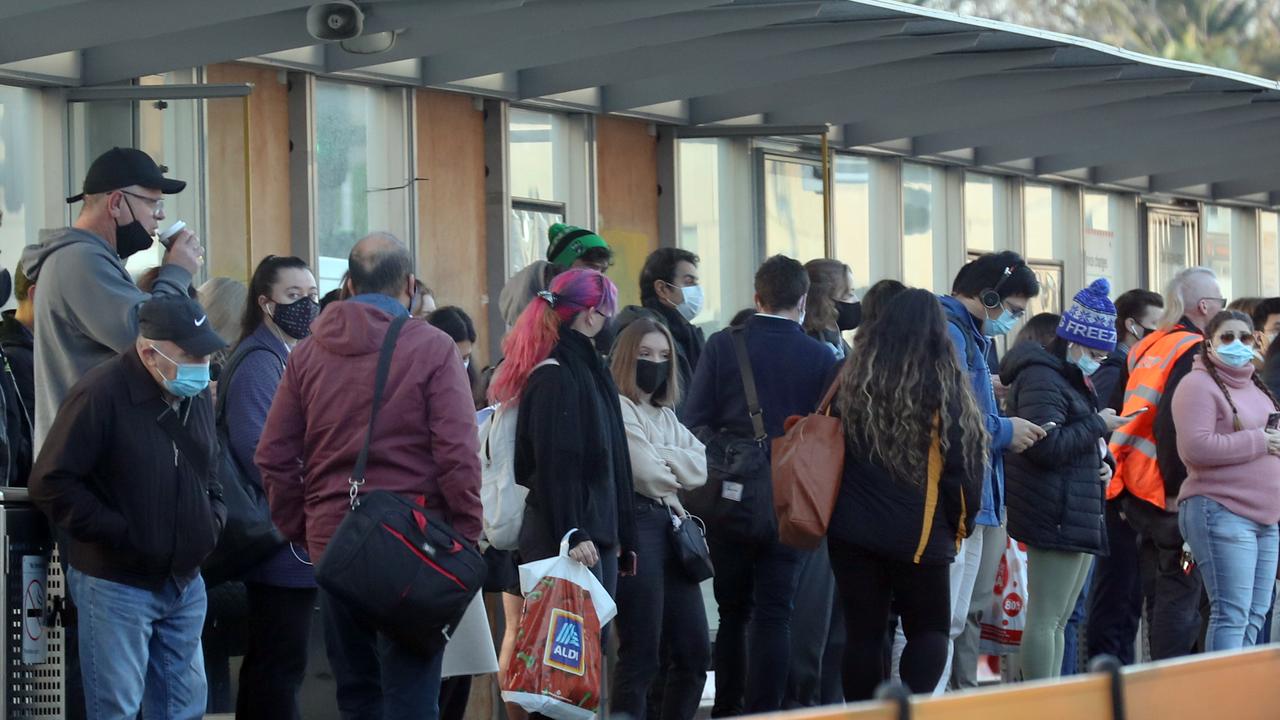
537, 330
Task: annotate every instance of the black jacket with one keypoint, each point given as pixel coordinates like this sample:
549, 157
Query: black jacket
1055, 496
887, 516
131, 479
571, 452
690, 341
1172, 469
19, 347
1111, 377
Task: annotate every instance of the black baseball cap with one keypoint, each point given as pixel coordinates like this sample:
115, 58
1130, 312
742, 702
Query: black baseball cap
179, 320
121, 167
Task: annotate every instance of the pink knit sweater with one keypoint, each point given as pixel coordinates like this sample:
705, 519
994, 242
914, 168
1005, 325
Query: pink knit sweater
1228, 466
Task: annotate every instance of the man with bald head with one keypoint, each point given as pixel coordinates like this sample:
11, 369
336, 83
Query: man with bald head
423, 445
1149, 473
87, 309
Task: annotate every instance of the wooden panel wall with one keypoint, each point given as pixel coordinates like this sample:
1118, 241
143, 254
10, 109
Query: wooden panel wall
233, 252
627, 197
451, 205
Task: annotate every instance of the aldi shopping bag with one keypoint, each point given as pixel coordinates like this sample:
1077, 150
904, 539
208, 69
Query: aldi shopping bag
556, 669
1006, 617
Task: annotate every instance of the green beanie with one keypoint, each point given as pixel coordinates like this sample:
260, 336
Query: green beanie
568, 243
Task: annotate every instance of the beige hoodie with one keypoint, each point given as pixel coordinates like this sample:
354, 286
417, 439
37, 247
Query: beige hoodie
665, 456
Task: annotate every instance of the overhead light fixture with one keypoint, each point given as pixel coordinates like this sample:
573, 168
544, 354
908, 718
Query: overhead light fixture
371, 44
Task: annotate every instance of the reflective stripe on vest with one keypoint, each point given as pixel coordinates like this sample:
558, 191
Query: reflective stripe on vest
1134, 444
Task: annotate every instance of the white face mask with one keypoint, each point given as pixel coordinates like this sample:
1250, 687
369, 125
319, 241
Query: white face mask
692, 302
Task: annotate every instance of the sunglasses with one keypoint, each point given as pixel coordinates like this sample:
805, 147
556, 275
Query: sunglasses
1229, 337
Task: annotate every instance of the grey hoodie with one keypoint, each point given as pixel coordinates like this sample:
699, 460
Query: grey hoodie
86, 311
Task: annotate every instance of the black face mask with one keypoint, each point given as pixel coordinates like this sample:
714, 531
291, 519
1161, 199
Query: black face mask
652, 376
848, 315
132, 238
296, 317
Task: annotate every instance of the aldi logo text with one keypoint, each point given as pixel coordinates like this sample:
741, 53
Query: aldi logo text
564, 643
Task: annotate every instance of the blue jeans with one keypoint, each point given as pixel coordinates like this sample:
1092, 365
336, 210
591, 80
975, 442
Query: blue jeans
1237, 558
377, 678
140, 649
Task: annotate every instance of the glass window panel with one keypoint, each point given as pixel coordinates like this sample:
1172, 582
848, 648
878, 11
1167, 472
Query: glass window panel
919, 186
1216, 245
361, 166
1269, 252
793, 223
1038, 221
852, 188
539, 155
21, 171
1099, 238
528, 240
700, 230
979, 212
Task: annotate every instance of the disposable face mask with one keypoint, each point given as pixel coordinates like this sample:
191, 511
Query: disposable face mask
692, 303
1234, 354
190, 380
1001, 325
1087, 364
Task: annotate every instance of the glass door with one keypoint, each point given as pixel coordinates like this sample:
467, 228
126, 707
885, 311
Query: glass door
1173, 243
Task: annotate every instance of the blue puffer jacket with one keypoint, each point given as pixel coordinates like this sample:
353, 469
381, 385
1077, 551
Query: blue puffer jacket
971, 349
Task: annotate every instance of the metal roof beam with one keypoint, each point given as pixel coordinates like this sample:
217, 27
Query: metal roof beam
493, 30
982, 110
715, 78
18, 8
913, 61
1209, 167
257, 36
52, 30
1023, 138
882, 98
724, 51
1144, 156
649, 41
1267, 182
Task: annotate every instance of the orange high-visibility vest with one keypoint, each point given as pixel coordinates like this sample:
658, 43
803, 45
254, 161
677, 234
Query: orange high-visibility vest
1134, 444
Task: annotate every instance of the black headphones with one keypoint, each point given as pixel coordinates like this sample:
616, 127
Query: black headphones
991, 296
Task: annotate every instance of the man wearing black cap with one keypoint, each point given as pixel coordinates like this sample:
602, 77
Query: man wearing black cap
127, 474
87, 309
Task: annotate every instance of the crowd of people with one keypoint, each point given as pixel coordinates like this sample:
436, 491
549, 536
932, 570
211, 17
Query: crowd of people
1132, 446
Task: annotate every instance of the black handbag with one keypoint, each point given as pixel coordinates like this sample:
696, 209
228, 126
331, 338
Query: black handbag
689, 542
249, 537
394, 563
737, 499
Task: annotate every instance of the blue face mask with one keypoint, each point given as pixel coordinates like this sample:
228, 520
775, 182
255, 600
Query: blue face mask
1234, 354
1087, 364
190, 380
1001, 325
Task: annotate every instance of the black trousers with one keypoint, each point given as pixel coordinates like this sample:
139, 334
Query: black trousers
1171, 596
276, 662
659, 607
1115, 599
869, 584
755, 588
817, 636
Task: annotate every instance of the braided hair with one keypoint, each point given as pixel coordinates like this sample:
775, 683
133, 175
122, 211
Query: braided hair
1206, 347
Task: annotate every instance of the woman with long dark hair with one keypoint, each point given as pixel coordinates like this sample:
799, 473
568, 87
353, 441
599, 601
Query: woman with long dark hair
1056, 488
913, 473
1230, 502
282, 302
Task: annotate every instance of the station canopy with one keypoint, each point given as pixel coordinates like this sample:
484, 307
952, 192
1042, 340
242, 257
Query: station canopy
875, 74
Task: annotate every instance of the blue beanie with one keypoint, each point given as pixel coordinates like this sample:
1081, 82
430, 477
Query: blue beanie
1091, 319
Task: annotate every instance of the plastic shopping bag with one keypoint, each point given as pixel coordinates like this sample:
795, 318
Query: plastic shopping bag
556, 669
1005, 619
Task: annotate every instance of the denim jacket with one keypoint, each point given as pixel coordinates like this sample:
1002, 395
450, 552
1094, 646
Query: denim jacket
1001, 430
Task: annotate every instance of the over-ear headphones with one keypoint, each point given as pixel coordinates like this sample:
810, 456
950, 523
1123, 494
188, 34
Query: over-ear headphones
991, 296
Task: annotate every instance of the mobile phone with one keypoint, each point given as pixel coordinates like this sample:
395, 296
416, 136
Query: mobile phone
1139, 411
166, 237
627, 564
1273, 421
1049, 426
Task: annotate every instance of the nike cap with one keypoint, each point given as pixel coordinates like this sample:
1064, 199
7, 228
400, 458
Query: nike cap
179, 320
121, 167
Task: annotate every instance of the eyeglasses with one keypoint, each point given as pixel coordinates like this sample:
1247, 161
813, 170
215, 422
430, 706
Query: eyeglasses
1016, 312
156, 204
1230, 336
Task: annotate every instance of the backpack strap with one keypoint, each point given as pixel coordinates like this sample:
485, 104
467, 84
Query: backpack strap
970, 351
224, 380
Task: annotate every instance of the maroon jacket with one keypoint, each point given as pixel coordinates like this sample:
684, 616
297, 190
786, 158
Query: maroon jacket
424, 442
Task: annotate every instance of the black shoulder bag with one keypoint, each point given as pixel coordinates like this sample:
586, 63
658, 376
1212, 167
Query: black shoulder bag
394, 563
737, 499
248, 537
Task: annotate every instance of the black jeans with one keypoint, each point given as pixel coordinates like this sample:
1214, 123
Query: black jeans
921, 594
377, 678
755, 587
1115, 598
660, 607
817, 636
276, 662
1172, 596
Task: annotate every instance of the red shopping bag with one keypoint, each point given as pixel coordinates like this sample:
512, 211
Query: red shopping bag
556, 668
1006, 616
